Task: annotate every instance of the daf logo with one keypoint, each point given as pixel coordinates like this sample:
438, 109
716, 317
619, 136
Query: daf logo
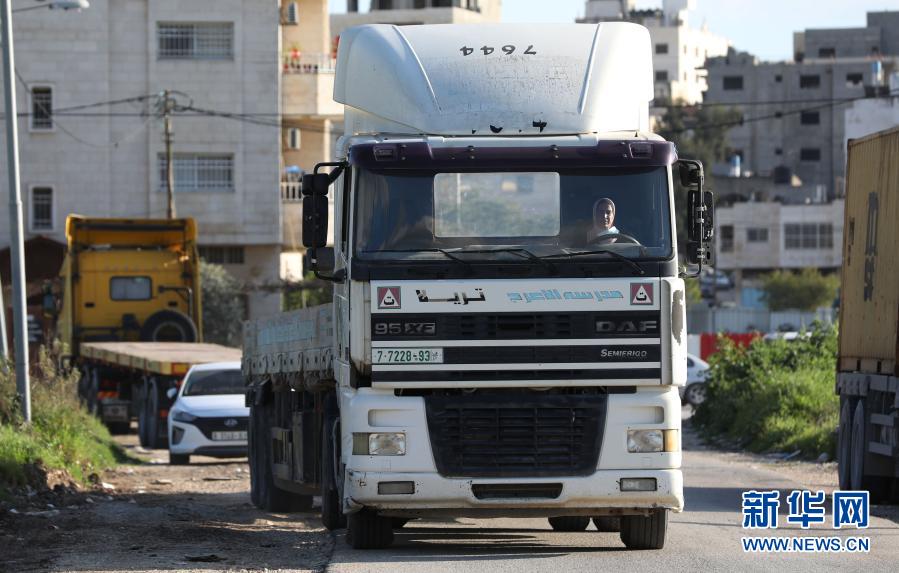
606, 326
231, 422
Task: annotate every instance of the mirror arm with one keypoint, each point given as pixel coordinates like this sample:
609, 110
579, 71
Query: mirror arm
339, 276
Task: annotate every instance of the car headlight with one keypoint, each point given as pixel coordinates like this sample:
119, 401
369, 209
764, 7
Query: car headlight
182, 416
380, 444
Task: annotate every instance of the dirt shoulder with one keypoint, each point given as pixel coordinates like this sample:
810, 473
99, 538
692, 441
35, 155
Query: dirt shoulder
157, 517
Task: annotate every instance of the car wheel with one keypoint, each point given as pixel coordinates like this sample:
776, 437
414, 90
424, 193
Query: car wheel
695, 393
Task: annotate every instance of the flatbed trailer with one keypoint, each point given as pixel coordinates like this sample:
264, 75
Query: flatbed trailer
131, 379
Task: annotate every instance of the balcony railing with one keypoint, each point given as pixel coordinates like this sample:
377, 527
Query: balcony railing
295, 62
291, 192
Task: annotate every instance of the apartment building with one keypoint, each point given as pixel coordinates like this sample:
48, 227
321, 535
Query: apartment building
407, 12
81, 155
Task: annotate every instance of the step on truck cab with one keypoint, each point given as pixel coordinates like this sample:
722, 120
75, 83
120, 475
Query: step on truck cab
508, 333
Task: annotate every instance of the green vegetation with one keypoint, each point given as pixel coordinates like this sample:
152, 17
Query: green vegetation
223, 305
308, 292
62, 436
805, 290
775, 395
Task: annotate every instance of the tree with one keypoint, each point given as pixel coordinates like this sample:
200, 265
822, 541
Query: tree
698, 132
223, 305
805, 290
306, 293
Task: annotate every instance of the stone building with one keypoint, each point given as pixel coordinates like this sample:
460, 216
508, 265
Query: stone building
406, 12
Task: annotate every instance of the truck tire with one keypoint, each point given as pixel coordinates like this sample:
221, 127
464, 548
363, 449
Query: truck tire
332, 511
253, 456
844, 443
271, 497
607, 523
569, 523
368, 530
639, 532
858, 480
151, 413
168, 326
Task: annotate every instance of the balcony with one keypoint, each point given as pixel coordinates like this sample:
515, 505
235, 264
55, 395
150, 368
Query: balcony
291, 192
308, 85
296, 62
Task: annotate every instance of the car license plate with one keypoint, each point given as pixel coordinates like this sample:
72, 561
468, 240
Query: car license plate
229, 436
407, 355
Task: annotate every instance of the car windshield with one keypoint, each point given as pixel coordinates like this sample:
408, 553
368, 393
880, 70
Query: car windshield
419, 215
214, 383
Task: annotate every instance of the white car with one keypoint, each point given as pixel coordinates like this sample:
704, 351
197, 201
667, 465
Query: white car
209, 417
697, 371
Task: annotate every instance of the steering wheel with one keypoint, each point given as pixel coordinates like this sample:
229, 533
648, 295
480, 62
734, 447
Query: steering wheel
619, 238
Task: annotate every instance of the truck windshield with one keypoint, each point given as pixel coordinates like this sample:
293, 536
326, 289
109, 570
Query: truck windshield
425, 215
214, 383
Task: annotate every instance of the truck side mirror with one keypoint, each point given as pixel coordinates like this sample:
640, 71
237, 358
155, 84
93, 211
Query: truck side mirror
316, 184
315, 221
700, 212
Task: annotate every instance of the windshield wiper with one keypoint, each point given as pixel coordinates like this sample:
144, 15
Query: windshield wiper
444, 252
617, 256
518, 251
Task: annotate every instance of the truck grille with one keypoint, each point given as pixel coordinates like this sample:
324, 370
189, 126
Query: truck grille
503, 436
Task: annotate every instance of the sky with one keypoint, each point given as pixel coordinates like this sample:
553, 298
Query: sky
762, 27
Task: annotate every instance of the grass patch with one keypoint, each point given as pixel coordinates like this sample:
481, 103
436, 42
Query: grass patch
62, 435
774, 395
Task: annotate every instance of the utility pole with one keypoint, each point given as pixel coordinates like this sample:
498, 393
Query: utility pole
4, 349
17, 243
168, 104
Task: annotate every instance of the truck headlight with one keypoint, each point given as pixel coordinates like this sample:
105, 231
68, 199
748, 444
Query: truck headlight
181, 416
643, 441
380, 444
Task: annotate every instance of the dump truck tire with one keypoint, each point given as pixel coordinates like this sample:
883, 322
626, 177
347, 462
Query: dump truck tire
645, 532
168, 326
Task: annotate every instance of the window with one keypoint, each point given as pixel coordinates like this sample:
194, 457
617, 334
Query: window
810, 118
206, 41
661, 48
662, 76
222, 255
130, 288
827, 52
778, 78
733, 83
810, 81
690, 362
757, 235
199, 173
810, 154
727, 238
42, 209
854, 79
808, 236
293, 15
294, 140
41, 108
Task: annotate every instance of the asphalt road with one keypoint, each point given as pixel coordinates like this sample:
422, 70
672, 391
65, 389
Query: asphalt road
705, 537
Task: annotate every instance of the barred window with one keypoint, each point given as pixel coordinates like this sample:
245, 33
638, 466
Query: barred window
757, 235
808, 236
200, 41
727, 238
195, 173
293, 16
42, 209
41, 108
222, 255
731, 83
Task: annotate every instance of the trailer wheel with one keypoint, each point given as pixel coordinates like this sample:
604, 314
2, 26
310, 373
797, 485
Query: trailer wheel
844, 443
271, 497
368, 530
645, 532
332, 512
877, 485
569, 523
607, 523
168, 326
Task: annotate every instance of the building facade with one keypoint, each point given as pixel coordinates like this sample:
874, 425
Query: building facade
81, 155
679, 50
408, 12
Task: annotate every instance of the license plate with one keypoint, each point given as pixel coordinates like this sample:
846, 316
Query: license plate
407, 355
229, 436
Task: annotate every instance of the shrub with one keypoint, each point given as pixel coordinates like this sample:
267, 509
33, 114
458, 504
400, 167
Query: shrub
774, 395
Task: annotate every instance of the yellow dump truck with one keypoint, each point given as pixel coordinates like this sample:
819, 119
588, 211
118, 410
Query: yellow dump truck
130, 314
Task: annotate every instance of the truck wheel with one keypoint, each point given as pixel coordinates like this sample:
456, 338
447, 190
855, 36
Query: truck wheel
151, 412
332, 512
569, 523
271, 497
607, 523
639, 532
858, 480
168, 326
844, 444
253, 456
368, 530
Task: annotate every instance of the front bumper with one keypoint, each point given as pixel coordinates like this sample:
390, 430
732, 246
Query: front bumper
597, 494
193, 441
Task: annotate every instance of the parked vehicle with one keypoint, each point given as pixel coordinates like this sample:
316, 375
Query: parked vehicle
208, 417
131, 317
697, 373
868, 359
494, 348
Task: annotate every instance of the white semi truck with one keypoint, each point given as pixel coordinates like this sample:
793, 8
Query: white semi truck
508, 328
